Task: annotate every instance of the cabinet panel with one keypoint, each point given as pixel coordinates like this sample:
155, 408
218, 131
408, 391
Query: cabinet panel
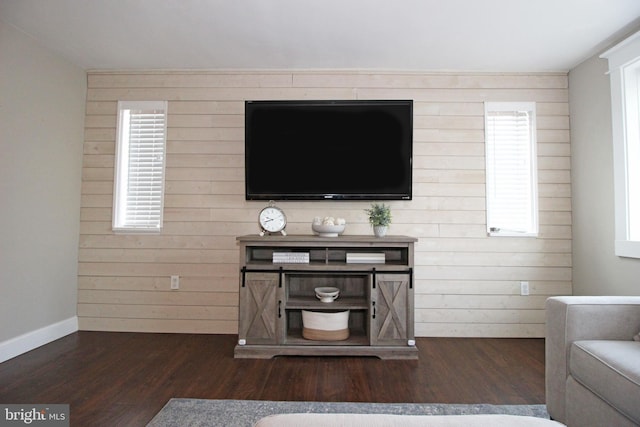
258, 308
392, 302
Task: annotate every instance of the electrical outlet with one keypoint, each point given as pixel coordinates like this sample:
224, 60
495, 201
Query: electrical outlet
175, 282
524, 288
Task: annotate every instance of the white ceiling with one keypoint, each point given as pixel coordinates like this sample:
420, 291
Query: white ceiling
464, 35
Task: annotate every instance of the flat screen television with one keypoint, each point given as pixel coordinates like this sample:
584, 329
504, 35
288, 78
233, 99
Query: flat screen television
337, 150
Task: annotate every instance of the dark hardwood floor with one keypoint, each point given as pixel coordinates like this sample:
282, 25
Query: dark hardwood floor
126, 378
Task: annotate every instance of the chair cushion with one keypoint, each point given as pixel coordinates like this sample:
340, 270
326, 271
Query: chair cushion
610, 370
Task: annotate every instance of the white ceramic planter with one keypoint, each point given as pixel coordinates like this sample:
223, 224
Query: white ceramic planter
380, 230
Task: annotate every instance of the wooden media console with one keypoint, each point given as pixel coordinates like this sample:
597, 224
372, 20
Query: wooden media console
278, 275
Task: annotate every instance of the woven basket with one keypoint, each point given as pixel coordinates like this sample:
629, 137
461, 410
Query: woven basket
325, 326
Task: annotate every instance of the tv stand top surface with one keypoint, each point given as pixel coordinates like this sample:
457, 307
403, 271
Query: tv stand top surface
343, 239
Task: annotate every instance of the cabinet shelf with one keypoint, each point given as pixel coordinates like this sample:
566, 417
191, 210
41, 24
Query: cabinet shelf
294, 337
342, 303
379, 295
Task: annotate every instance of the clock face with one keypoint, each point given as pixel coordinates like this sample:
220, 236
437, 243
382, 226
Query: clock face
272, 219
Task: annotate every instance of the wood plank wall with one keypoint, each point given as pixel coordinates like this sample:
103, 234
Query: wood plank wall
467, 284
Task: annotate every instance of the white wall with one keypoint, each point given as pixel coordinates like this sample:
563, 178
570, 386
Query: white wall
596, 269
41, 134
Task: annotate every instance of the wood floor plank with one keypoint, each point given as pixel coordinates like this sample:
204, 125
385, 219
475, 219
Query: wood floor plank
112, 378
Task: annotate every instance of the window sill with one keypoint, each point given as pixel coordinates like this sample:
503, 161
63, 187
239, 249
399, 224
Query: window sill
510, 234
137, 230
627, 248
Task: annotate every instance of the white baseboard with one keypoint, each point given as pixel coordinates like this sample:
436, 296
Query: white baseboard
34, 339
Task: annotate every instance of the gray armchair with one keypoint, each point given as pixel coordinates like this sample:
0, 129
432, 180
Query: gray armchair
592, 360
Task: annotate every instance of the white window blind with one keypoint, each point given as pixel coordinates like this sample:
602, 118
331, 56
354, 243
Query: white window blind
140, 165
511, 168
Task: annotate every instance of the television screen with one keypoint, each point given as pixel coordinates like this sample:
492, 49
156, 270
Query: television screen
313, 150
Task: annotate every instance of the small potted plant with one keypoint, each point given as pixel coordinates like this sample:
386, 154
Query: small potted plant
379, 218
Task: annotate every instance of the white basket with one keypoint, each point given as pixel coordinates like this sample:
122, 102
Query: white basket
325, 326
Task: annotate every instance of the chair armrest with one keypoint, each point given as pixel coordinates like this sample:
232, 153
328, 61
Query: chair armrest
574, 318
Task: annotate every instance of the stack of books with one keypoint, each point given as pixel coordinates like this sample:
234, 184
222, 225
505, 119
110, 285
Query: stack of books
291, 257
365, 258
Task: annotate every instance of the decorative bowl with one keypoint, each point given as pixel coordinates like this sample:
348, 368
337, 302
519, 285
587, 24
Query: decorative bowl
328, 230
327, 293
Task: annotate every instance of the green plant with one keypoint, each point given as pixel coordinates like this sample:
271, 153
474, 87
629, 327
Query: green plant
379, 214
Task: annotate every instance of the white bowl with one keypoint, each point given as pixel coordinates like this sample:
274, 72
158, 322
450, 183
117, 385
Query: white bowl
327, 293
328, 230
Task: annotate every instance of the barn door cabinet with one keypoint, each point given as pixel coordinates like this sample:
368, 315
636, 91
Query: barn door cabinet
375, 278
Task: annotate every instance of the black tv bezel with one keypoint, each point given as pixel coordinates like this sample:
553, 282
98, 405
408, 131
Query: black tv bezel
332, 196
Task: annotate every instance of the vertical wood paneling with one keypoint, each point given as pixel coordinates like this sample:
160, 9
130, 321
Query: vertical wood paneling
467, 284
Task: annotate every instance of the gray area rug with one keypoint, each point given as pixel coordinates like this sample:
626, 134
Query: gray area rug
244, 413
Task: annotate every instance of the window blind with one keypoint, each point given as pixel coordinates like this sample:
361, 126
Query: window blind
511, 169
141, 164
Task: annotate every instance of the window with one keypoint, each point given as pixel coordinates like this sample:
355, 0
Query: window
139, 171
624, 71
511, 169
